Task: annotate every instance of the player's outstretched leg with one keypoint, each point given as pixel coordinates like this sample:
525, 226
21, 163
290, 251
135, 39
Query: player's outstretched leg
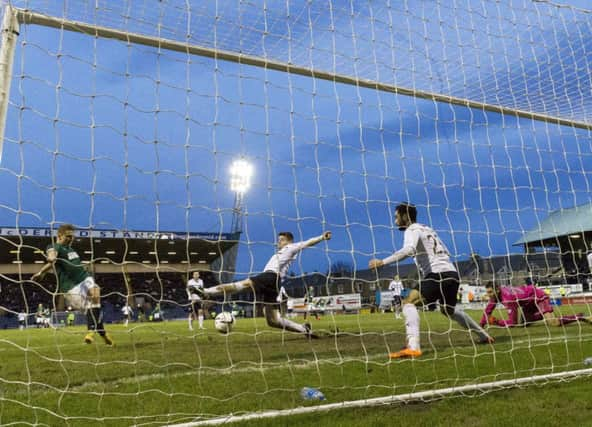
470, 324
275, 320
226, 288
566, 319
570, 318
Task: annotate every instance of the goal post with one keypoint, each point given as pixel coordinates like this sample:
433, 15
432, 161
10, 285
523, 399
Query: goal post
10, 31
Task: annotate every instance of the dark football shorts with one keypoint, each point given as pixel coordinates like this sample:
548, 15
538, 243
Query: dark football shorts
267, 286
440, 287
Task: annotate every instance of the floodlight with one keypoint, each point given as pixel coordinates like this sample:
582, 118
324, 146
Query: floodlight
241, 172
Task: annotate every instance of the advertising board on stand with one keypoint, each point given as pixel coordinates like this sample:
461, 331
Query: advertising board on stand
335, 303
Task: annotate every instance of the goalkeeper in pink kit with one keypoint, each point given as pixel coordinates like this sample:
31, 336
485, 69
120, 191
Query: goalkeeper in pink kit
525, 304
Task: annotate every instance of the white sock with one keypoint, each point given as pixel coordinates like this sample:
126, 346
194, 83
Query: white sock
411, 326
469, 323
200, 321
190, 321
289, 325
275, 320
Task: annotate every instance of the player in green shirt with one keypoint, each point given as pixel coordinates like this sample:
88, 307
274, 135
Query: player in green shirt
78, 286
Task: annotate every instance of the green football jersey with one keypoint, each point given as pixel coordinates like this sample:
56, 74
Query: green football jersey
69, 268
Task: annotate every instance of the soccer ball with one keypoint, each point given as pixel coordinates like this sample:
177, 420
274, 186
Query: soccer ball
224, 322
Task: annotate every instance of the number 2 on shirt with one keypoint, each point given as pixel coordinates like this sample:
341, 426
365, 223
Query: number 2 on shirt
438, 249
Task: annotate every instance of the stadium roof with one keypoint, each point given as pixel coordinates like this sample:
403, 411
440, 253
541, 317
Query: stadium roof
561, 223
27, 246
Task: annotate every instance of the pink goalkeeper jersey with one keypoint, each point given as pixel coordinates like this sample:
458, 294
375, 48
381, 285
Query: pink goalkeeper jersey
513, 298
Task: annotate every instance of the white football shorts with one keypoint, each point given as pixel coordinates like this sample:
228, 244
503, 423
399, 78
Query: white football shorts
77, 297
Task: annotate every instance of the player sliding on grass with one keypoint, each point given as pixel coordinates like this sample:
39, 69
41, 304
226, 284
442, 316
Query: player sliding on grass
79, 288
267, 284
525, 304
440, 279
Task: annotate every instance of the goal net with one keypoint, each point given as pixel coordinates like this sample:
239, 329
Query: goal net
126, 118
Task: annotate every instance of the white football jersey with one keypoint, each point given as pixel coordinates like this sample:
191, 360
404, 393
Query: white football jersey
280, 262
396, 286
430, 253
192, 286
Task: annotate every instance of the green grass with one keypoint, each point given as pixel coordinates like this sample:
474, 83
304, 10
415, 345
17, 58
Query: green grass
563, 404
160, 373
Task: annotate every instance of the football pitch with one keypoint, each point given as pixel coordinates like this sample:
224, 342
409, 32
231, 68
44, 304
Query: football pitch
162, 373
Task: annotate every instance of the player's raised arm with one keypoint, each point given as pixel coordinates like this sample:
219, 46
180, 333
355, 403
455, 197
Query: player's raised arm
405, 217
487, 318
401, 254
408, 250
311, 242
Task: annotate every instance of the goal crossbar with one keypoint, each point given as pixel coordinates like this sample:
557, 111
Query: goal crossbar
29, 17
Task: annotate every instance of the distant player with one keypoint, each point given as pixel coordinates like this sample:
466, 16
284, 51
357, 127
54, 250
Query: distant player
140, 312
267, 284
396, 287
525, 304
39, 316
309, 303
439, 283
79, 288
127, 312
195, 288
71, 317
46, 318
22, 320
157, 314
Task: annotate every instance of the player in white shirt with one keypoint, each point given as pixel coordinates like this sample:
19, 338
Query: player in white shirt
39, 314
195, 288
267, 284
127, 312
440, 280
47, 318
22, 319
396, 287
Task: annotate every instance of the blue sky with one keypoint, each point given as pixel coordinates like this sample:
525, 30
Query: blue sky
152, 150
